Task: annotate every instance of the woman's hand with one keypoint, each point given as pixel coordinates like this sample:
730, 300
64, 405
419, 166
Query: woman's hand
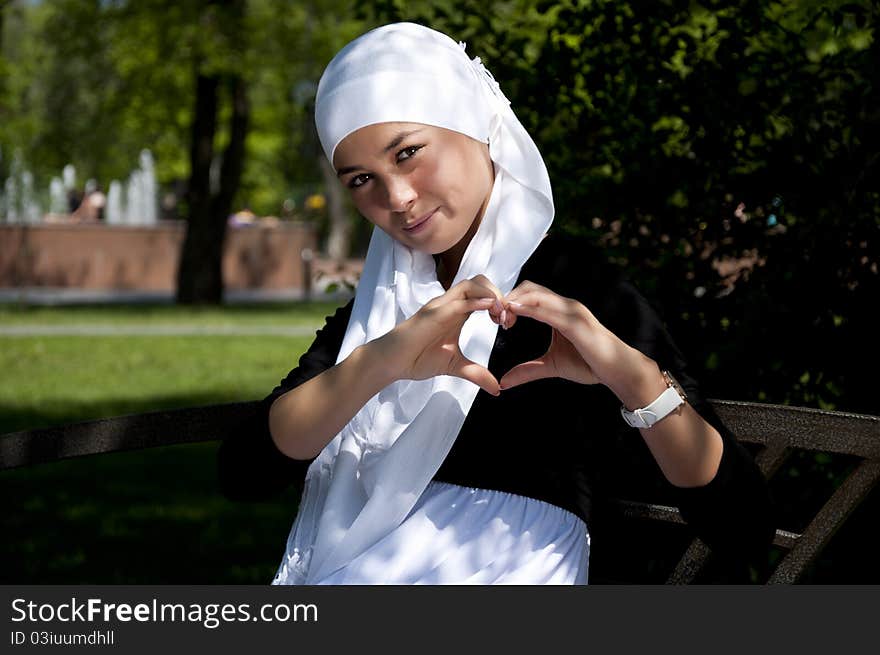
581, 348
426, 344
687, 449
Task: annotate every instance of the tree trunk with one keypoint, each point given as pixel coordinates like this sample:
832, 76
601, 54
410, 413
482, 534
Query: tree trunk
339, 238
200, 274
199, 278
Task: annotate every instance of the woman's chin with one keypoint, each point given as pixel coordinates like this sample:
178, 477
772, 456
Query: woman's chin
430, 244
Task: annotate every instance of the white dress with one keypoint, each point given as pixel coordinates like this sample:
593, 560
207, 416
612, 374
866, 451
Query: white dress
462, 535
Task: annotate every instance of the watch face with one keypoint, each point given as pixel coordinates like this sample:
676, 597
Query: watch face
674, 383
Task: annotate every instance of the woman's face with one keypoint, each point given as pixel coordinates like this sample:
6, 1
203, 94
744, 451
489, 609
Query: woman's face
425, 186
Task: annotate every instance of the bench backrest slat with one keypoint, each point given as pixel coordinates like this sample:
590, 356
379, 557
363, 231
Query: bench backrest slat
802, 427
780, 429
826, 522
110, 435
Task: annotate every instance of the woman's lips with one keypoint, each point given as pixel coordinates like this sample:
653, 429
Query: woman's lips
421, 223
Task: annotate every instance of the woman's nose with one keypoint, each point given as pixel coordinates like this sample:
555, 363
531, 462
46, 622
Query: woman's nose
401, 194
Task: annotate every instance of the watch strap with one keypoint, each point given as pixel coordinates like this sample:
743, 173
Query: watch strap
666, 403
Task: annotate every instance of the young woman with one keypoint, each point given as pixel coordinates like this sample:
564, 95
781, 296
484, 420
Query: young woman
457, 420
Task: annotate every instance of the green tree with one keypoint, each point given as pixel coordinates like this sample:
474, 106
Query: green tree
217, 65
214, 85
657, 119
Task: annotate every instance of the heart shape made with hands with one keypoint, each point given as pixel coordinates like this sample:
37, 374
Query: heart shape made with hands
568, 319
426, 344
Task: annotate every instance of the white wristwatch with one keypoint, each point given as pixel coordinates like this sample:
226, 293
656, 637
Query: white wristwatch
669, 401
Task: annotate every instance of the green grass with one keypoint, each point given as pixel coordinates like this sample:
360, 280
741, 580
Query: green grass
56, 380
157, 516
150, 517
274, 314
153, 516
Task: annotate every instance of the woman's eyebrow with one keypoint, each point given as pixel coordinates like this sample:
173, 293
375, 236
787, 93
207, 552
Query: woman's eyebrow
396, 141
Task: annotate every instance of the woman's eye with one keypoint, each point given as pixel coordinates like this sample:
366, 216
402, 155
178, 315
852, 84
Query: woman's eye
406, 153
358, 181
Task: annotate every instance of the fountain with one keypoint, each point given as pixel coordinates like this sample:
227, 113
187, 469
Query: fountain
57, 197
30, 209
131, 249
150, 195
10, 201
18, 202
113, 214
134, 203
69, 174
141, 202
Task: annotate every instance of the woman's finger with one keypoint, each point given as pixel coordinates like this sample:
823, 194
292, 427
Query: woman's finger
509, 319
529, 293
483, 287
550, 313
476, 287
536, 369
464, 307
536, 295
526, 286
485, 283
464, 368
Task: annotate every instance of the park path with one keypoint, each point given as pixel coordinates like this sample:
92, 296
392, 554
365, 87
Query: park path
99, 330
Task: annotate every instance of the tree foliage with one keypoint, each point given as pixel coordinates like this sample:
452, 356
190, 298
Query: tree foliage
658, 119
92, 83
220, 90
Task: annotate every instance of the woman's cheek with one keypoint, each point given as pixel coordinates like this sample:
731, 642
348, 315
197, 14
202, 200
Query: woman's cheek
428, 176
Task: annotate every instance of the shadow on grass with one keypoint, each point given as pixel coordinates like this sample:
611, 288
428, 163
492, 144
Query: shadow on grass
139, 517
157, 516
241, 309
61, 411
153, 516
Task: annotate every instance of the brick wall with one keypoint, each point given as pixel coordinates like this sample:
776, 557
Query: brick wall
97, 256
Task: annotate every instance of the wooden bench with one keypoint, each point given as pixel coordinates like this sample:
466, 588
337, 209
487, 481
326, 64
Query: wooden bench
777, 430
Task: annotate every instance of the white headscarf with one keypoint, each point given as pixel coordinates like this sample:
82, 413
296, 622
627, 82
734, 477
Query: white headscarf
367, 479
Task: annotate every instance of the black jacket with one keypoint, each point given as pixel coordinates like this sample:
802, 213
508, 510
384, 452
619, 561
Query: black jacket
553, 440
